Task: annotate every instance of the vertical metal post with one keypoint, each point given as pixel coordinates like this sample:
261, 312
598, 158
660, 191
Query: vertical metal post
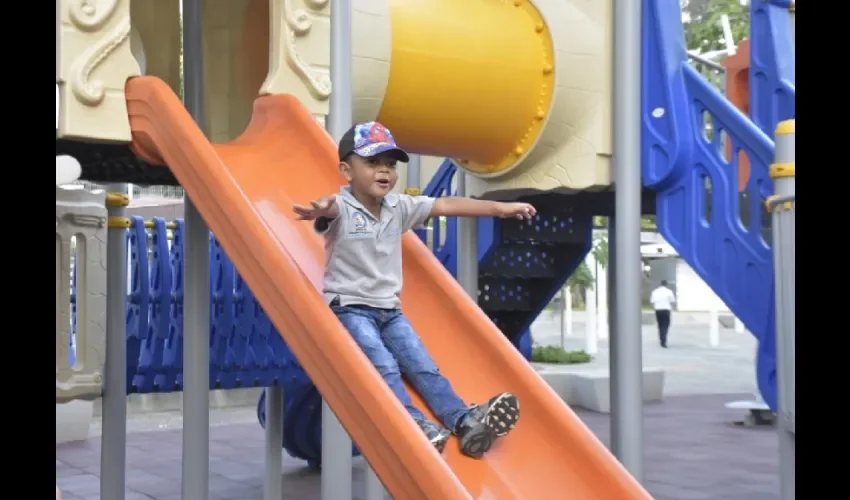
336, 444
713, 325
591, 311
196, 322
414, 175
274, 437
113, 449
602, 312
567, 326
614, 353
627, 179
784, 235
374, 488
467, 245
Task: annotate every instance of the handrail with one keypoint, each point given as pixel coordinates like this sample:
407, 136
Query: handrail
707, 62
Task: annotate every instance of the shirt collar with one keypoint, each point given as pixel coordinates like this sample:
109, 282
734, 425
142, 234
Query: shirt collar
391, 199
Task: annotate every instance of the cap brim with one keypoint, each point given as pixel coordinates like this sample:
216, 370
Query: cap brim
373, 150
67, 170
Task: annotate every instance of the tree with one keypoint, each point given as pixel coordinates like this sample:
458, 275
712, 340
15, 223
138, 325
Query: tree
582, 279
703, 31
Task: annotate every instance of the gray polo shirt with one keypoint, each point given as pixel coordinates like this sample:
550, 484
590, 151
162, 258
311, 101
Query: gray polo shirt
363, 254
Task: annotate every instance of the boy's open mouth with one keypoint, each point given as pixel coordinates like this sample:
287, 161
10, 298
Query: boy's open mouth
383, 182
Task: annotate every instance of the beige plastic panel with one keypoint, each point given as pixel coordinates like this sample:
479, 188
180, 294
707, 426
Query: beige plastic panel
573, 152
278, 47
228, 106
371, 48
93, 62
155, 39
81, 215
300, 55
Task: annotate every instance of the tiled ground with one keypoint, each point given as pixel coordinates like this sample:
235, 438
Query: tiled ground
693, 452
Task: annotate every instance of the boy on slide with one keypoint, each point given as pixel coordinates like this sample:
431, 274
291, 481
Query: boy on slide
362, 226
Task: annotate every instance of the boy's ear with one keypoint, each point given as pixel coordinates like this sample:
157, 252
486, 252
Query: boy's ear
345, 168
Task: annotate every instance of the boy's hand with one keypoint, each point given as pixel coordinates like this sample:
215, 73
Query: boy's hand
323, 207
522, 211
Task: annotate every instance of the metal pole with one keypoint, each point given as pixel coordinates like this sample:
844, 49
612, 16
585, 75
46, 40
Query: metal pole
374, 488
274, 438
467, 245
784, 236
614, 353
113, 450
602, 314
563, 314
414, 175
196, 322
336, 444
627, 179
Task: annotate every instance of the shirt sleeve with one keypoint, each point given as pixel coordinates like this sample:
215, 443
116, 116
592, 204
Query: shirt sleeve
329, 229
415, 210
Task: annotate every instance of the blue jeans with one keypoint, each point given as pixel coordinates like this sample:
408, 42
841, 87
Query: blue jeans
391, 344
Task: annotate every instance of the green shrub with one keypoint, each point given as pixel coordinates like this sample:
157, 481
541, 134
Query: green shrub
557, 355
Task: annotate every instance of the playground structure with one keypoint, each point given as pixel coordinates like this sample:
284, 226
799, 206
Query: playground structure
549, 143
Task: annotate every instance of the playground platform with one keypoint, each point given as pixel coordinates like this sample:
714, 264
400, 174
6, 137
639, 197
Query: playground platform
693, 452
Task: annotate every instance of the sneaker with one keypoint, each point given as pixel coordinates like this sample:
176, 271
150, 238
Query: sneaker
479, 428
437, 435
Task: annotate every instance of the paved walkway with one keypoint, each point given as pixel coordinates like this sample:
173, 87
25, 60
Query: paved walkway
693, 450
691, 366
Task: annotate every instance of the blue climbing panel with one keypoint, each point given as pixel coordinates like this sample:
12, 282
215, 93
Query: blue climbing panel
721, 232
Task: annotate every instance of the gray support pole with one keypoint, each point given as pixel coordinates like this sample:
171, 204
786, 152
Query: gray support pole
336, 444
414, 175
614, 352
374, 488
113, 454
196, 322
274, 438
784, 210
627, 179
467, 244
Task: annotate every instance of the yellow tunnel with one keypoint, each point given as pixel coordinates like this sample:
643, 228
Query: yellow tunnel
518, 92
479, 92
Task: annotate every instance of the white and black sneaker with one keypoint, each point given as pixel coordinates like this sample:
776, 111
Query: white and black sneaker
437, 435
479, 428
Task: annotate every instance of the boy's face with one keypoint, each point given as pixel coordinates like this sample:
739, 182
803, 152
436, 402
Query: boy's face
374, 176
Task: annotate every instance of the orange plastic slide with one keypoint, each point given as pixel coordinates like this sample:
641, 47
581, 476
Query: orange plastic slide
245, 190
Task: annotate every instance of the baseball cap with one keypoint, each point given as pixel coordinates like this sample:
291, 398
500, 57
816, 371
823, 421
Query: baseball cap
67, 170
370, 139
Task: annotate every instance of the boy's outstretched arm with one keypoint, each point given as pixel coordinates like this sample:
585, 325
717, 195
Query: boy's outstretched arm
454, 206
325, 206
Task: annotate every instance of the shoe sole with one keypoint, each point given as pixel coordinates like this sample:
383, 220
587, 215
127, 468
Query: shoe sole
477, 441
503, 415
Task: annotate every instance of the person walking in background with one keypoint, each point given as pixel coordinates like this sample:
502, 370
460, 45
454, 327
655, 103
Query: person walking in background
662, 300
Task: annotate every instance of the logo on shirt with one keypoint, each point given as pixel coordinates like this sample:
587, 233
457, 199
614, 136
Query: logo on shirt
359, 221
359, 226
